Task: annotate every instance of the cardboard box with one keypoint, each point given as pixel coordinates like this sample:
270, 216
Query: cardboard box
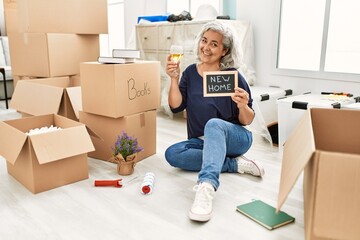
326, 145
117, 90
45, 161
51, 54
47, 95
291, 109
141, 126
63, 16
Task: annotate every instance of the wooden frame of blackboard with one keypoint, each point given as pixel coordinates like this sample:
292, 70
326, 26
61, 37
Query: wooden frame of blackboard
227, 86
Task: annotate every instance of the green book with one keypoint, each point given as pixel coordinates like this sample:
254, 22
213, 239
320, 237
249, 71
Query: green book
265, 214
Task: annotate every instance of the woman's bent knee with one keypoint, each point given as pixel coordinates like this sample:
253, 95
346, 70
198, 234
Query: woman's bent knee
170, 157
213, 124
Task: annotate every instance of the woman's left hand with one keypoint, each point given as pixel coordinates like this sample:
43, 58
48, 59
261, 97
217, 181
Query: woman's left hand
240, 97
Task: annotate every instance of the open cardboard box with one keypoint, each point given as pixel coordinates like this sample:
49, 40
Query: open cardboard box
117, 90
47, 95
141, 126
326, 145
45, 161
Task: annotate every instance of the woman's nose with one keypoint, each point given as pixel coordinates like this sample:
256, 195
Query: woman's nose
207, 46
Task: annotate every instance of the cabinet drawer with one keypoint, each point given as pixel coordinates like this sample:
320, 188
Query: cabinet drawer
169, 35
147, 37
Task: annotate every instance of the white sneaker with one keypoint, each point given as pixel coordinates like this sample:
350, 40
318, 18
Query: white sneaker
249, 166
201, 209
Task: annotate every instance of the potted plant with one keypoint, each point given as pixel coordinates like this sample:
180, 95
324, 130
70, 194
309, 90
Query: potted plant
125, 153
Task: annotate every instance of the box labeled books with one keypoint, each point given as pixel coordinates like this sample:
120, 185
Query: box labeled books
117, 90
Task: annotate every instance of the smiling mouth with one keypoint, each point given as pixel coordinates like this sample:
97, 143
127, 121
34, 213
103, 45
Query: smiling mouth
206, 53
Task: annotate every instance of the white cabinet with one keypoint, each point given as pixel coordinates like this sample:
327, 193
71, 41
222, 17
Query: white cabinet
153, 40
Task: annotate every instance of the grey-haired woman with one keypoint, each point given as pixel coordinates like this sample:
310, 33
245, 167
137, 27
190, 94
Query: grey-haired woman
217, 138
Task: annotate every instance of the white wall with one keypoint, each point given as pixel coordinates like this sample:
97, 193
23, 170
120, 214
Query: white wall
263, 15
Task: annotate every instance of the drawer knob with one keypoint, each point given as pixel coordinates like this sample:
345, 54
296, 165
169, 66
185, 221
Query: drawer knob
168, 38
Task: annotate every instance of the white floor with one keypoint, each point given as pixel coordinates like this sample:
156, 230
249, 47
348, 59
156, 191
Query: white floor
82, 211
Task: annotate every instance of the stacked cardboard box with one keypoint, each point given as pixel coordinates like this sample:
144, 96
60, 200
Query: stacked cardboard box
120, 97
51, 54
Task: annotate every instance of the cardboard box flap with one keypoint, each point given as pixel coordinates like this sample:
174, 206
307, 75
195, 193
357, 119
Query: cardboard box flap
94, 134
11, 146
298, 150
74, 94
73, 141
337, 199
36, 99
344, 125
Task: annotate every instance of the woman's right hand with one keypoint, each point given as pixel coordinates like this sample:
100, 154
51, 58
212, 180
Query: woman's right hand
172, 69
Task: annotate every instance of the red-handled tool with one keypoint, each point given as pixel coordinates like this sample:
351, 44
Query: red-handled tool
106, 183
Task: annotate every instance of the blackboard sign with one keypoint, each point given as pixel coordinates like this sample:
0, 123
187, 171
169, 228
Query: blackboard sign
220, 83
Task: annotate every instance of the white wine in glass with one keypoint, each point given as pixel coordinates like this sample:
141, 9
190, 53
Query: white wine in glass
176, 52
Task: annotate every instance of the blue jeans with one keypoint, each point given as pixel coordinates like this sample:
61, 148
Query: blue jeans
223, 142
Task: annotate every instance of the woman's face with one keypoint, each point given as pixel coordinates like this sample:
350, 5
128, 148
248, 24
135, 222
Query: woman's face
211, 48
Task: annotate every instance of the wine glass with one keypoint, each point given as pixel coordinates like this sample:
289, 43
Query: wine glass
176, 52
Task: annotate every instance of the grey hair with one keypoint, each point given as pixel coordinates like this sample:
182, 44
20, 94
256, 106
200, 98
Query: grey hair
232, 58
